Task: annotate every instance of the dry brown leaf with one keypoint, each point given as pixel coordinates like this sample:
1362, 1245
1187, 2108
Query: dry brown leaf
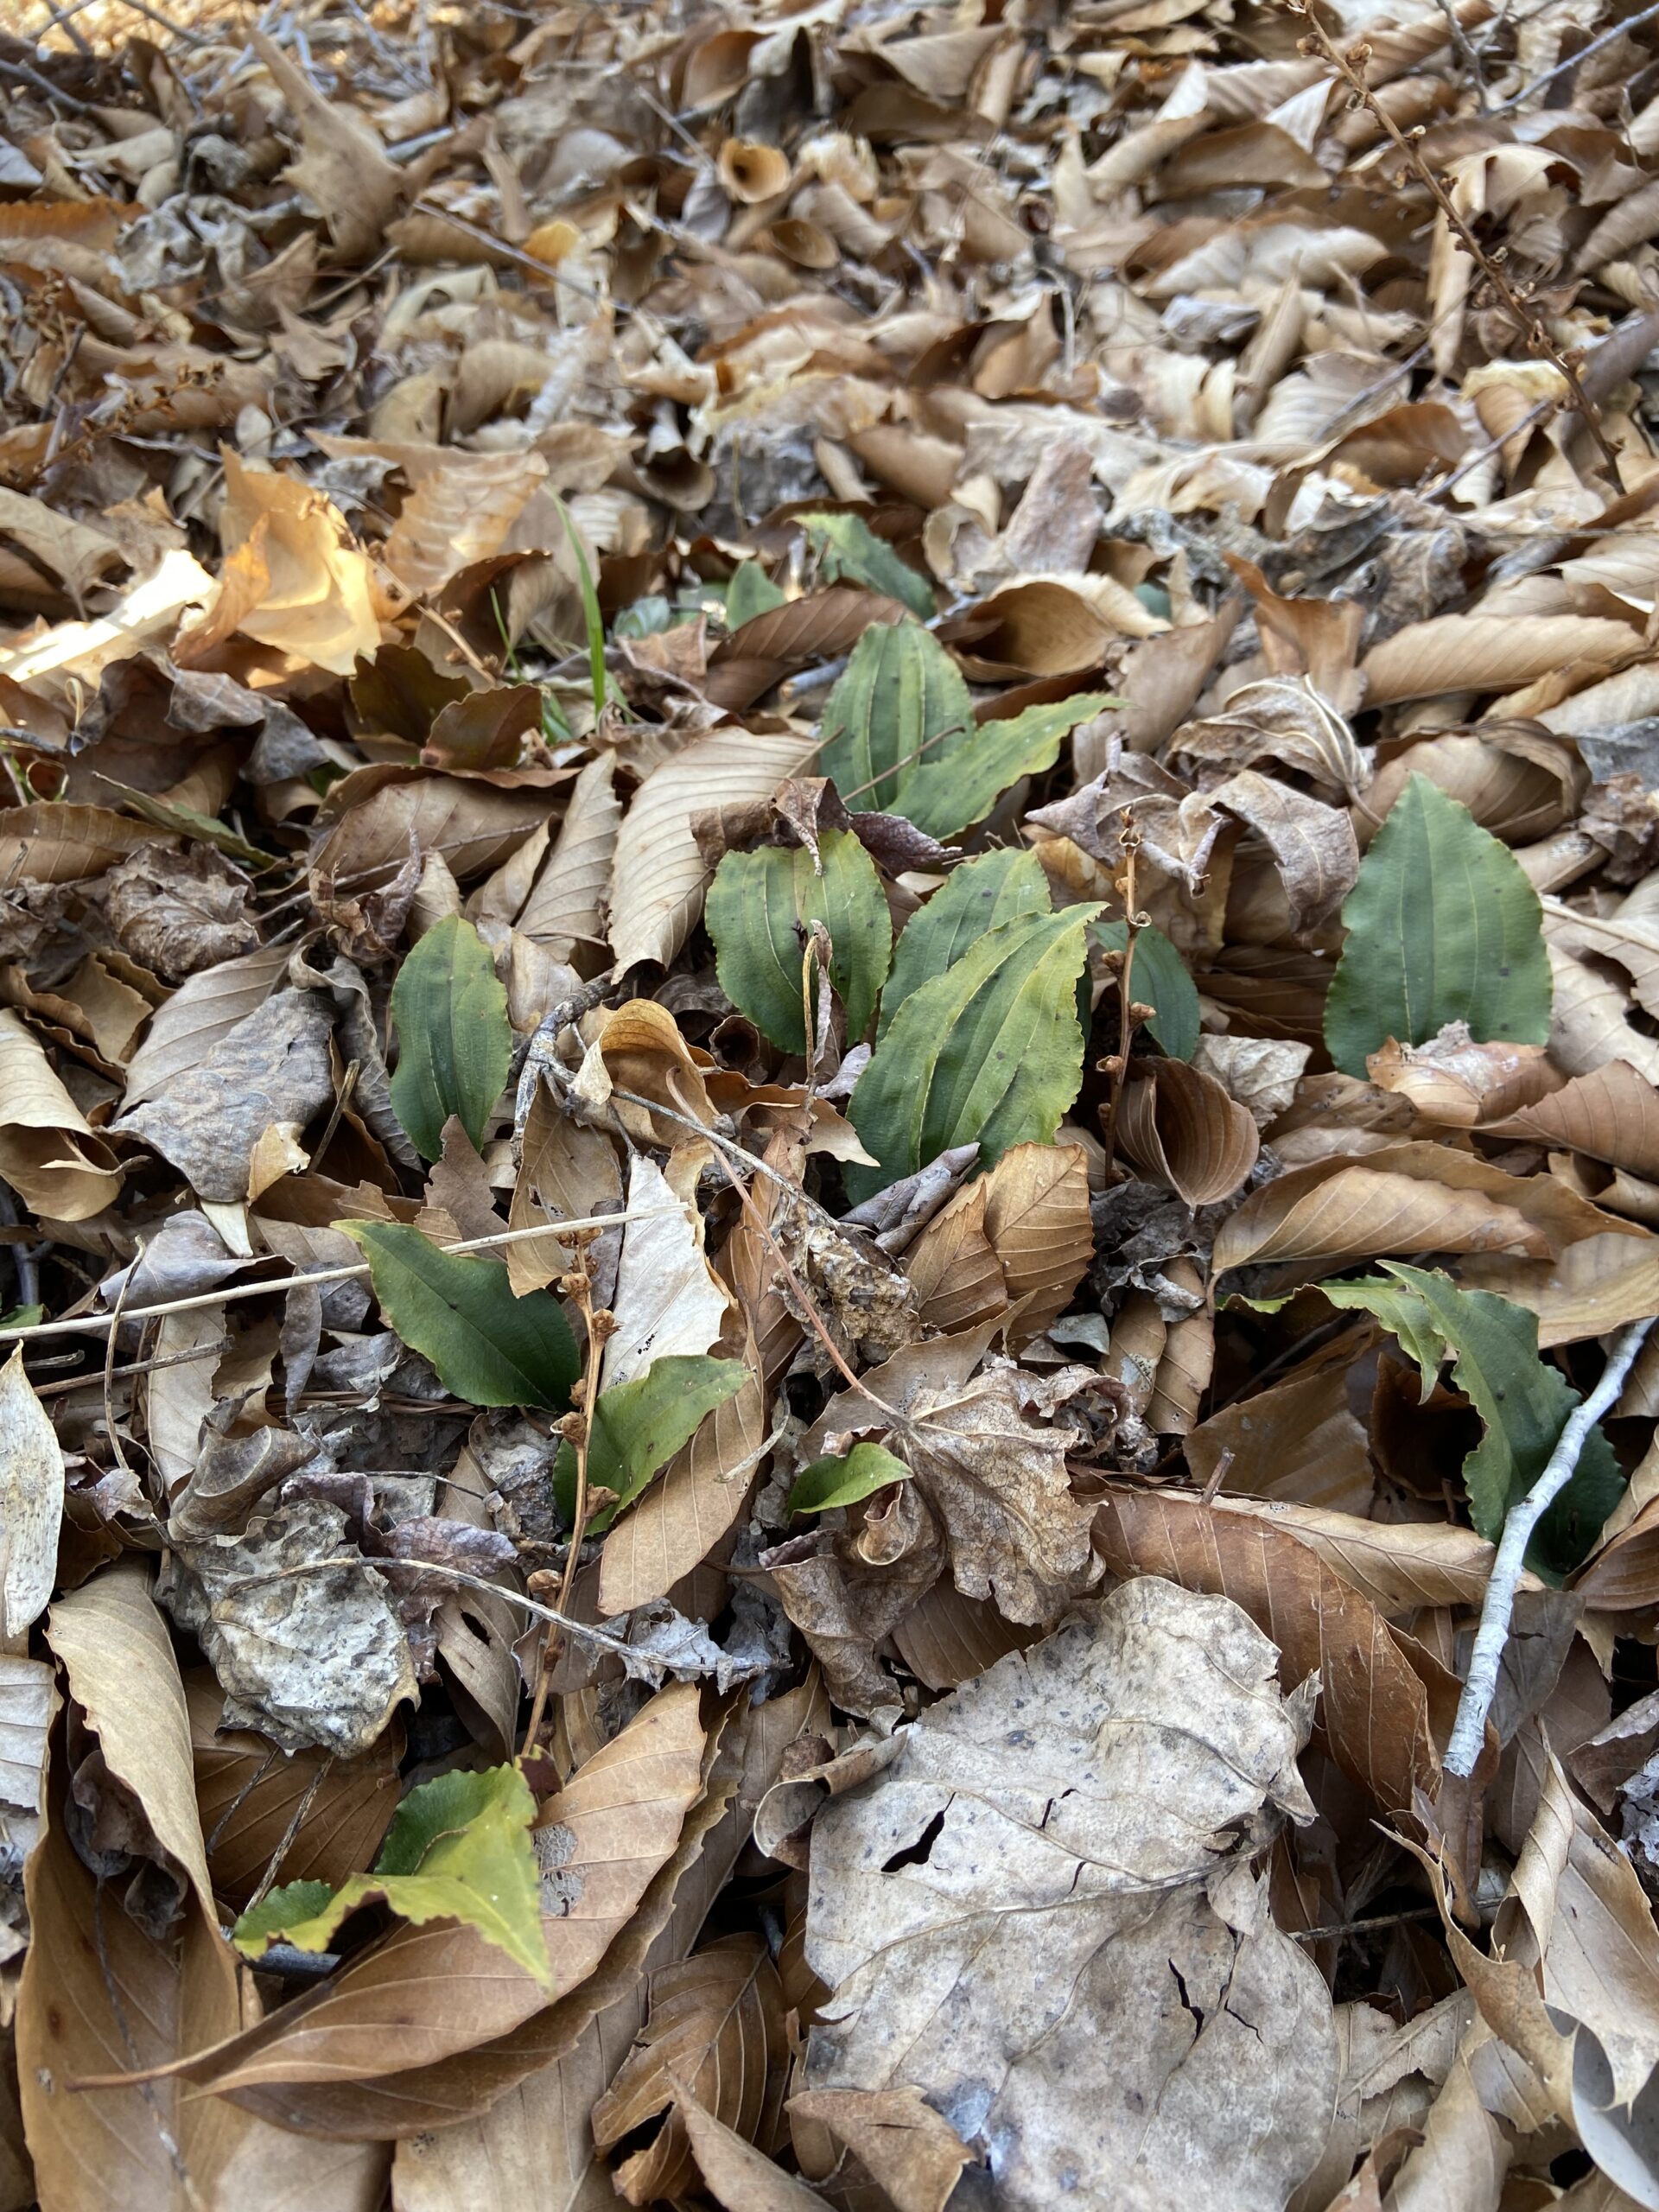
601, 1840
1296, 1440
1312, 845
1456, 1081
717, 2026
958, 1277
912, 2154
1036, 1221
1405, 1198
1180, 1126
1488, 652
659, 874
343, 168
1613, 1114
1376, 1708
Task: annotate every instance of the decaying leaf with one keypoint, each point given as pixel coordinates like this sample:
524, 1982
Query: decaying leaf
1050, 1969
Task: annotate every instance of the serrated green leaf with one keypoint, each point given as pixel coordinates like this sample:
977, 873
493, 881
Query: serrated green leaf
751, 592
848, 549
901, 700
458, 1848
972, 900
755, 904
455, 1042
639, 1426
486, 1346
1442, 926
1159, 979
943, 797
845, 1481
1523, 1404
989, 1051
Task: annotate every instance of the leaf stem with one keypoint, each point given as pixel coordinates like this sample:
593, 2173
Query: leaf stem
1469, 1730
1118, 1064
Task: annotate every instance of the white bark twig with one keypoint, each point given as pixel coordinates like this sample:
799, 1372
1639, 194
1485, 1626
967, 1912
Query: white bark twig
1468, 1731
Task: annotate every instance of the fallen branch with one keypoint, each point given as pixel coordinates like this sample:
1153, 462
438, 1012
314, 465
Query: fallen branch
1468, 1731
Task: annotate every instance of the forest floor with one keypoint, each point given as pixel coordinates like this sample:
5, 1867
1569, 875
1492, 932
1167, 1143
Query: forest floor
829, 1106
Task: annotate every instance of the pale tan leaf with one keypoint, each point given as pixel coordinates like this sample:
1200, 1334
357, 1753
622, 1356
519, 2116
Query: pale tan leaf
734, 2173
668, 1302
31, 1502
460, 512
48, 1153
909, 2150
1312, 845
659, 875
1487, 653
566, 907
60, 843
566, 1169
1597, 1284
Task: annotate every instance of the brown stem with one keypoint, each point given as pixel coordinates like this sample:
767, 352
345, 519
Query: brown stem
579, 1286
1125, 995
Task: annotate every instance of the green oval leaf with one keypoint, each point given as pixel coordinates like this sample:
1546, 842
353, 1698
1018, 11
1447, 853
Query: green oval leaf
751, 592
1442, 926
849, 550
756, 905
899, 701
1523, 1402
972, 900
455, 1043
1159, 979
991, 1051
458, 1848
639, 1426
943, 797
864, 1470
460, 1313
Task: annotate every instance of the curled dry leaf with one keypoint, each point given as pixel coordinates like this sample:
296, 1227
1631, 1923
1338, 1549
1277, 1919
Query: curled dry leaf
1178, 1124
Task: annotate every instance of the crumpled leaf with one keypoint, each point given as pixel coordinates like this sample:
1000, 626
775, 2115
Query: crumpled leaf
310, 1651
1049, 1927
31, 1501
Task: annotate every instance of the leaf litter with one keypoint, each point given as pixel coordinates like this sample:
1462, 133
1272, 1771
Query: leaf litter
829, 952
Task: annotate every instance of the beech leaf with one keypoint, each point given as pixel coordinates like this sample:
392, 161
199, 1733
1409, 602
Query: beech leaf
1442, 926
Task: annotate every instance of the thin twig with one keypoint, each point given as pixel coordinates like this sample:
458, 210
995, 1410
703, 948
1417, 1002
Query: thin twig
1629, 23
1116, 1066
87, 1322
1468, 1731
1526, 317
531, 1605
578, 1430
